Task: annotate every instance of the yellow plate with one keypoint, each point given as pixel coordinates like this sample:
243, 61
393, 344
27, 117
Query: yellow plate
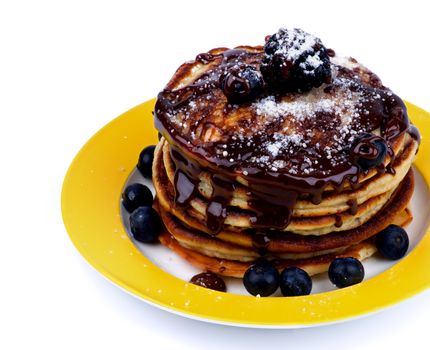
91, 213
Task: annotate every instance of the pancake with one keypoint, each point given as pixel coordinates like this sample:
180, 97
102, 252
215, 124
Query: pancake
281, 243
237, 269
288, 152
195, 215
312, 264
215, 247
331, 203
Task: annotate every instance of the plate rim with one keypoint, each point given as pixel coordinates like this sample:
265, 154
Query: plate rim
121, 139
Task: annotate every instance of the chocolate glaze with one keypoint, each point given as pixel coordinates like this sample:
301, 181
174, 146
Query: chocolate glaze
209, 280
260, 241
338, 221
274, 193
413, 131
185, 188
353, 206
331, 52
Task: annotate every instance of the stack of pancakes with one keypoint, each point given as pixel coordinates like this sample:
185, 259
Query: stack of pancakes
274, 177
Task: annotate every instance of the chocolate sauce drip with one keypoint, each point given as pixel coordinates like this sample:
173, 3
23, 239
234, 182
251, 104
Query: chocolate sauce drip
273, 193
216, 211
355, 186
260, 241
272, 208
185, 188
389, 167
353, 206
209, 280
395, 119
185, 180
316, 198
205, 57
331, 52
390, 170
338, 221
413, 131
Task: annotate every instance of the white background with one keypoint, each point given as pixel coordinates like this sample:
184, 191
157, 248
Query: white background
68, 68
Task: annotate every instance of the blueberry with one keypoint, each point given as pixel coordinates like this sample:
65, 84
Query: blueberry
294, 60
145, 225
369, 151
261, 278
344, 272
392, 242
144, 164
242, 84
295, 281
136, 195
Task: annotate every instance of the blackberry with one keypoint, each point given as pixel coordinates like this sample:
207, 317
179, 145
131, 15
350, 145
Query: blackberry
295, 61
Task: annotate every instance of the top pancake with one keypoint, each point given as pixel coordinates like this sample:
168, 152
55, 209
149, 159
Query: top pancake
298, 134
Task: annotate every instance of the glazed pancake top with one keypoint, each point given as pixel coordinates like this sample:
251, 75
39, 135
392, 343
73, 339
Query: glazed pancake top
297, 134
280, 144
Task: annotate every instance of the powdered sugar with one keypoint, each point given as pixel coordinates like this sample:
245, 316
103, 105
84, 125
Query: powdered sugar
343, 102
298, 109
311, 63
293, 43
281, 142
337, 108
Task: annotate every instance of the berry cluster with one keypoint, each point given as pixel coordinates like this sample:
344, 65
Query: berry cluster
263, 279
293, 61
145, 224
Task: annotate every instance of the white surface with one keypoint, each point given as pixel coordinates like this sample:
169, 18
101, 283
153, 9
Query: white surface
66, 69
